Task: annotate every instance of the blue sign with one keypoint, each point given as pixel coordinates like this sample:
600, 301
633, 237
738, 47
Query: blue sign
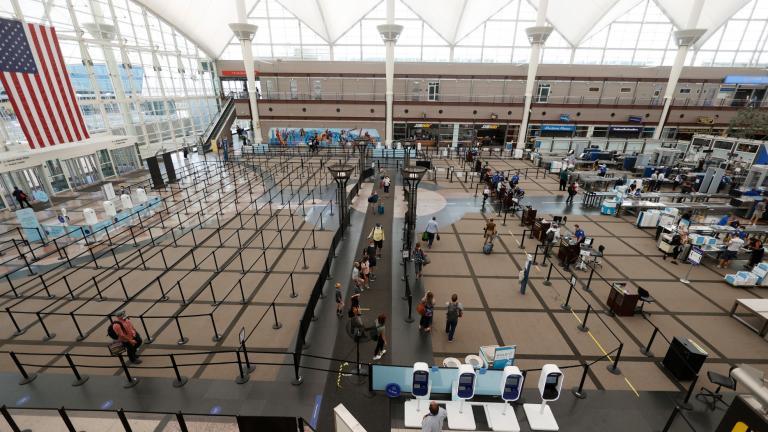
565, 117
746, 79
635, 119
29, 223
393, 390
558, 128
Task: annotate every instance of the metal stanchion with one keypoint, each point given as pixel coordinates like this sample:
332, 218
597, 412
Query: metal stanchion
131, 381
614, 368
646, 350
79, 379
583, 326
26, 377
180, 379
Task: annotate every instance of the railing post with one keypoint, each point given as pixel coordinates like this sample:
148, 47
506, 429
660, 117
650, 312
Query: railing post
131, 381
297, 379
583, 326
579, 391
10, 421
180, 379
647, 349
685, 403
181, 422
276, 325
567, 304
216, 335
79, 379
549, 274
124, 420
26, 377
242, 377
66, 420
614, 368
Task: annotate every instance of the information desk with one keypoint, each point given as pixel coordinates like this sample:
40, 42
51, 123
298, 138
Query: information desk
539, 231
622, 302
569, 250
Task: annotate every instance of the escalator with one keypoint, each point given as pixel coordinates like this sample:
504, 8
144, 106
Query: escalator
221, 123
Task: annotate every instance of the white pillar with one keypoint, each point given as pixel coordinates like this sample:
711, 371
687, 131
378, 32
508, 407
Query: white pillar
537, 36
245, 32
389, 33
684, 38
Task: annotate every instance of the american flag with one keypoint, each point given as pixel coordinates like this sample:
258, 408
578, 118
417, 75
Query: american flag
35, 79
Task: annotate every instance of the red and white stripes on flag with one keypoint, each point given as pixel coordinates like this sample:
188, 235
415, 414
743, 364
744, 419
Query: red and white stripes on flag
35, 78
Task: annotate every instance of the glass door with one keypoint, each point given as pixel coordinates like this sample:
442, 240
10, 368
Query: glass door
58, 178
107, 170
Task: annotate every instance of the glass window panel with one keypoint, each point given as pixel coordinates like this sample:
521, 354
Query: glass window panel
621, 57
6, 9
760, 11
465, 54
648, 57
379, 11
635, 14
345, 52
276, 10
763, 60
500, 33
407, 53
351, 37
520, 55
287, 51
285, 31
752, 35
713, 41
734, 30
316, 52
623, 35
742, 58
556, 55
403, 11
232, 52
597, 40
263, 51
654, 14
527, 12
474, 38
654, 36
496, 55
436, 54
373, 52
724, 58
588, 56
309, 37
411, 34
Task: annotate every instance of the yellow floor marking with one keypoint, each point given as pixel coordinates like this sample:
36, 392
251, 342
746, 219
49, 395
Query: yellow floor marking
605, 353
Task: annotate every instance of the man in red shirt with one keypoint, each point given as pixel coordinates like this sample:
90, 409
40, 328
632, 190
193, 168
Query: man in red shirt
128, 335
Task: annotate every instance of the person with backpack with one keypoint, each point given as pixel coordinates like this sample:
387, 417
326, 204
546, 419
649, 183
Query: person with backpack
122, 330
386, 182
21, 197
371, 252
572, 191
378, 334
357, 278
372, 200
365, 270
339, 300
564, 178
426, 309
377, 235
490, 231
419, 259
455, 311
553, 235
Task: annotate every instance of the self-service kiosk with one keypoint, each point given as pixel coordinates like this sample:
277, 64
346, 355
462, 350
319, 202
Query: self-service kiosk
421, 387
460, 415
540, 416
126, 201
500, 416
109, 209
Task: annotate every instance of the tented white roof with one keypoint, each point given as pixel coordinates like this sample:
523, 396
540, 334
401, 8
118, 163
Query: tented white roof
205, 21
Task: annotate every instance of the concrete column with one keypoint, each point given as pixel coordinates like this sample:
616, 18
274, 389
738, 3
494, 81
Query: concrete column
536, 36
684, 39
389, 33
245, 32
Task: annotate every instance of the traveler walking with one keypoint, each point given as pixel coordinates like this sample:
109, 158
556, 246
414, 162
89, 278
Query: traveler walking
357, 278
489, 232
432, 232
563, 178
365, 269
21, 197
419, 259
572, 191
758, 213
370, 250
122, 330
455, 311
426, 309
386, 182
379, 336
377, 235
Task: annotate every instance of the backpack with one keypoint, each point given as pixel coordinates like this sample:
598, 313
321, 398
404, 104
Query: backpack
487, 248
550, 236
453, 312
111, 329
421, 309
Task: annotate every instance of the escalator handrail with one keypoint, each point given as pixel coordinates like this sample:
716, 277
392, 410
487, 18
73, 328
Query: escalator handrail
218, 121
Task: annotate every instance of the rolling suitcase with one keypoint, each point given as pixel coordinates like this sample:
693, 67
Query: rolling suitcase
381, 209
488, 248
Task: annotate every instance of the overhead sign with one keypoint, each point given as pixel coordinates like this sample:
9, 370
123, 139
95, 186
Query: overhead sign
558, 128
235, 73
565, 117
745, 79
624, 129
422, 125
705, 120
489, 126
635, 119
